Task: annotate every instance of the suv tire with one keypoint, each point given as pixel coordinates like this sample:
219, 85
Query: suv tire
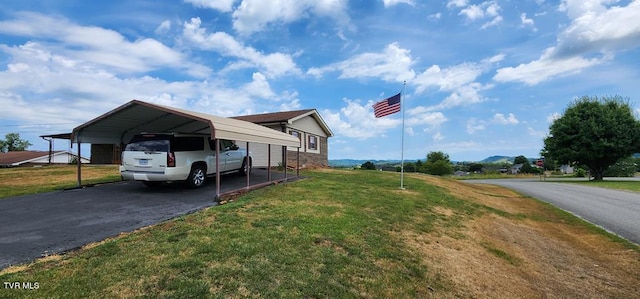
197, 176
245, 168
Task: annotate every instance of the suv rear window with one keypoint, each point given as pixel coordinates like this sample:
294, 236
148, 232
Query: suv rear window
164, 143
148, 143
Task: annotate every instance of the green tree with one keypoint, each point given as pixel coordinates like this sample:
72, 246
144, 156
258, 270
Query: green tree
596, 132
625, 167
368, 166
438, 163
475, 167
419, 166
13, 143
526, 165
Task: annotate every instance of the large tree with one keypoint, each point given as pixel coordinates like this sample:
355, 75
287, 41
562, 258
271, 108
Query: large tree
596, 132
438, 163
12, 142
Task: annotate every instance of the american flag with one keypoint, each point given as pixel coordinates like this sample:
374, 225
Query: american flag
387, 106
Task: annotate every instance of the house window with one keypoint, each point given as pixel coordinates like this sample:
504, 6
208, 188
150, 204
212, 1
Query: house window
313, 142
295, 133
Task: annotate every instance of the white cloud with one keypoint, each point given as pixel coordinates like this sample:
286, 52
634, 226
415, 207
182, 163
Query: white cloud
552, 117
164, 27
548, 66
96, 47
259, 87
457, 3
254, 15
487, 9
389, 3
579, 8
357, 121
435, 16
472, 12
538, 134
592, 38
273, 65
41, 84
475, 125
221, 5
447, 79
500, 118
455, 77
526, 22
459, 80
392, 65
598, 29
497, 20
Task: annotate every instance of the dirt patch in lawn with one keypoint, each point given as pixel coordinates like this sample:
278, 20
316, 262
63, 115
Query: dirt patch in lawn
503, 256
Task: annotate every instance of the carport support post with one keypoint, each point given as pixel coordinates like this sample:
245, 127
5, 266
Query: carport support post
269, 162
217, 168
298, 162
284, 149
248, 165
79, 160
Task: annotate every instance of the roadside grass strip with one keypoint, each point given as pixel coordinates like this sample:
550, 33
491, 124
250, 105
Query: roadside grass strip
633, 186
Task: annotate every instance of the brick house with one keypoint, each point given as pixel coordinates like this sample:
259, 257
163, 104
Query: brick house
305, 124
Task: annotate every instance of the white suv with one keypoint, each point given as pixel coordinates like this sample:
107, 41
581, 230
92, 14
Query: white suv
166, 157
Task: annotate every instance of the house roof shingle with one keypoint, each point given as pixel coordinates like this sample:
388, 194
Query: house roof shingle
273, 117
10, 158
285, 117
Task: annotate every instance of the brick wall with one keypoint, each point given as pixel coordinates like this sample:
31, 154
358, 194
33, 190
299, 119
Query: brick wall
310, 159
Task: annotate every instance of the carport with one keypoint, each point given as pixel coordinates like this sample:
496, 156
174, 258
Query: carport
119, 125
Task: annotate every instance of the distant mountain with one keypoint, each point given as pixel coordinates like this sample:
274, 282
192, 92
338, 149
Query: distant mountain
358, 162
498, 159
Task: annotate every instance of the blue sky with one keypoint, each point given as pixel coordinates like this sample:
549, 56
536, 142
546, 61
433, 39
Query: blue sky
482, 77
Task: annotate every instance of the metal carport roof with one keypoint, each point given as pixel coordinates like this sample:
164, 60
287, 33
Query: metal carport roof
119, 125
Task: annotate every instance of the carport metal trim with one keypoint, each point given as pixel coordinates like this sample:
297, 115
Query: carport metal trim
114, 125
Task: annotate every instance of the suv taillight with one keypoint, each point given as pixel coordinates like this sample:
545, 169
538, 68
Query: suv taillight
171, 159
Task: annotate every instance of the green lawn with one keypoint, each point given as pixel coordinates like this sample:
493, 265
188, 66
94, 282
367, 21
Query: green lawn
335, 234
29, 180
330, 235
620, 185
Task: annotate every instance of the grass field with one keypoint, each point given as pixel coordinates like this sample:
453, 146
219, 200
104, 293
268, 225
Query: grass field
29, 180
350, 234
611, 184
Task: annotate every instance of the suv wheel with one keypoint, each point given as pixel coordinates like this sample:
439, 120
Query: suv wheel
246, 167
197, 176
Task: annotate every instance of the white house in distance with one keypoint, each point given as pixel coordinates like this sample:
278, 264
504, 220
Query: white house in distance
26, 158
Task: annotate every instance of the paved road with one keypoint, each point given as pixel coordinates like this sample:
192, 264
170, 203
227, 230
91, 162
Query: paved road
42, 224
616, 211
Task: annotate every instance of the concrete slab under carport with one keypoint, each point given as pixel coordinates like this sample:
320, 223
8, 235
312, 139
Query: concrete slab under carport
33, 226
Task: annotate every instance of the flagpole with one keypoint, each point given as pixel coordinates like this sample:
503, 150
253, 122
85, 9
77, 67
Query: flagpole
404, 84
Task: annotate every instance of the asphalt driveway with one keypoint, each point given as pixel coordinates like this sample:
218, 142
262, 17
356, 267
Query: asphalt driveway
614, 210
37, 225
